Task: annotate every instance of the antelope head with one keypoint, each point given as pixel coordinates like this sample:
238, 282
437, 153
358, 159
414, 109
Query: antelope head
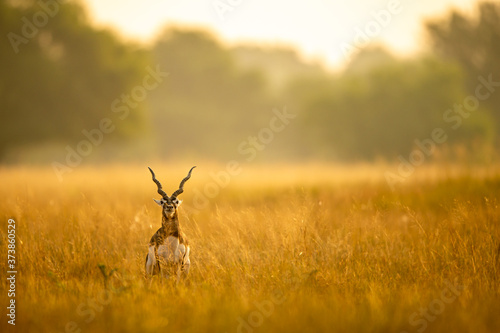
170, 204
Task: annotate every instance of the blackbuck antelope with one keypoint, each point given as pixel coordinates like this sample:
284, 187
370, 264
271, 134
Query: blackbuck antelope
168, 252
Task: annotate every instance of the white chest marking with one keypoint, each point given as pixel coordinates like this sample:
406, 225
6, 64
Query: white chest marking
172, 253
171, 250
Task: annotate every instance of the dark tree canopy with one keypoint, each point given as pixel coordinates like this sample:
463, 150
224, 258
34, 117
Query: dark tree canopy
474, 43
61, 77
66, 75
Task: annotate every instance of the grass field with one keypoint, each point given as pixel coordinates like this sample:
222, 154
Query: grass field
284, 249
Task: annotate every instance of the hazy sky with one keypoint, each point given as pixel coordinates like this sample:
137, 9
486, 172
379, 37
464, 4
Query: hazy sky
318, 28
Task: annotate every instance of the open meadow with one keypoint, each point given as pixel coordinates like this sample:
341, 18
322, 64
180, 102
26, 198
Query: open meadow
347, 161
281, 249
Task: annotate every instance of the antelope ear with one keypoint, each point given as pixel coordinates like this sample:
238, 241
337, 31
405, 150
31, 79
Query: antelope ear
158, 202
180, 201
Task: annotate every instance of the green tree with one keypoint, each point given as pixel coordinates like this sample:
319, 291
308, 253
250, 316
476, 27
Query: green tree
381, 111
474, 43
60, 76
208, 105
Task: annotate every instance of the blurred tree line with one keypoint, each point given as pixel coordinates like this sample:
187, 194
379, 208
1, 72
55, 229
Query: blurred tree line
62, 75
59, 75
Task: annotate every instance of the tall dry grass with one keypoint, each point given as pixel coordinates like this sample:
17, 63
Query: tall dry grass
284, 249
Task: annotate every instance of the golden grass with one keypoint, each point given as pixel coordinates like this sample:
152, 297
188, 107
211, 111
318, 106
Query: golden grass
281, 249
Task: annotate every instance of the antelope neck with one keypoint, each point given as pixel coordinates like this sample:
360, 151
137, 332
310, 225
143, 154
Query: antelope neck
170, 224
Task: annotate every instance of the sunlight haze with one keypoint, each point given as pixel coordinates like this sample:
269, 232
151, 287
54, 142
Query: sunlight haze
317, 27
